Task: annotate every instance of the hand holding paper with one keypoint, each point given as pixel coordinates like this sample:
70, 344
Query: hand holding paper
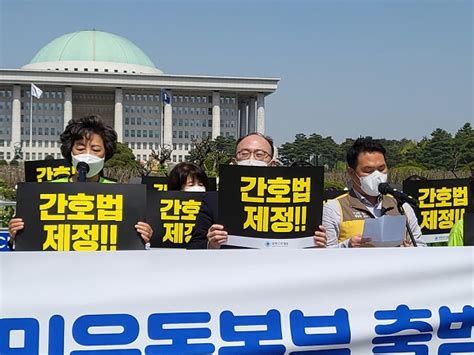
386, 231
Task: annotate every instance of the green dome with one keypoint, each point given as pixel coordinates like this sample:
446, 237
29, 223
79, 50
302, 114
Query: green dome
92, 46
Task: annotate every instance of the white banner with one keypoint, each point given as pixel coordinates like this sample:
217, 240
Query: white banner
353, 301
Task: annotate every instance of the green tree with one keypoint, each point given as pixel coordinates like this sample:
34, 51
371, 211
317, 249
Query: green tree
439, 152
9, 194
298, 150
122, 158
209, 154
464, 145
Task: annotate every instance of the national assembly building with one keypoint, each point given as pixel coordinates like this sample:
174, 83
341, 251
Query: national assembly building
96, 72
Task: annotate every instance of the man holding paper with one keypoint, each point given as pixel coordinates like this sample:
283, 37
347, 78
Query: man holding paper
344, 217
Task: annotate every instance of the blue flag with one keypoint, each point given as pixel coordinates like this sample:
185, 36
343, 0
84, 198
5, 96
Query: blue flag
165, 97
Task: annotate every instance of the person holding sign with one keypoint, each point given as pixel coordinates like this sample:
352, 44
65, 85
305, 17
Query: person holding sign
253, 149
456, 234
86, 142
188, 177
344, 216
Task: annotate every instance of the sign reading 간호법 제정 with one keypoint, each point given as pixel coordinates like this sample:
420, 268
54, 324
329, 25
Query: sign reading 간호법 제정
160, 183
80, 216
264, 207
172, 215
441, 202
47, 170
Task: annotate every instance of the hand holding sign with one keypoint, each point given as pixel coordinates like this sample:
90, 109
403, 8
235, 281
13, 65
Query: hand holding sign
216, 236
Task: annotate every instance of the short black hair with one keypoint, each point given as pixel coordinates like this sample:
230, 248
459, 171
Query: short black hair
267, 138
179, 176
78, 128
363, 145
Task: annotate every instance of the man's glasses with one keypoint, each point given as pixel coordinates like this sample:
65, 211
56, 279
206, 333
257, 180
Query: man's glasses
258, 154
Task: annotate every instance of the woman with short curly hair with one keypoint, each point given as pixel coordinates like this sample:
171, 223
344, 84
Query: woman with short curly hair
89, 140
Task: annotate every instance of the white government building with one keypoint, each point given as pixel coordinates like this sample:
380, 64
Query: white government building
96, 72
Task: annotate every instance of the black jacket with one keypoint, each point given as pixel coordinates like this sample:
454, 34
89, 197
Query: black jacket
207, 216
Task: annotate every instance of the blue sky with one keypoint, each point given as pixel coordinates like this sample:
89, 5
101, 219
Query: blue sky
388, 68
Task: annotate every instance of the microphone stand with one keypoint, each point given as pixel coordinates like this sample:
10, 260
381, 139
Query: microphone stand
402, 212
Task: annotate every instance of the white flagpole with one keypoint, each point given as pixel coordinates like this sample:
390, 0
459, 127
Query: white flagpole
31, 119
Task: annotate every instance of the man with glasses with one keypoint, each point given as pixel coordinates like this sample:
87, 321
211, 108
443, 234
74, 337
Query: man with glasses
253, 149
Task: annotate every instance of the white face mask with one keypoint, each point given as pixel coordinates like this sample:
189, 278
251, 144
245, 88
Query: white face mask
252, 162
194, 188
370, 183
95, 163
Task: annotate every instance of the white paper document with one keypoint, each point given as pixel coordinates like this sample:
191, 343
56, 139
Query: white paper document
386, 231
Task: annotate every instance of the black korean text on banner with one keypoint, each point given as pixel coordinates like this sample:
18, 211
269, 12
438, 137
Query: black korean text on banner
160, 183
441, 202
80, 216
172, 215
274, 203
47, 170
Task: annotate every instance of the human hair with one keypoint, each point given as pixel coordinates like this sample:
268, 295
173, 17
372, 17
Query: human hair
83, 127
363, 145
267, 138
179, 176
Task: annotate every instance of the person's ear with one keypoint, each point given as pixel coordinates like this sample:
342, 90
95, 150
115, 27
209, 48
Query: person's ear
233, 161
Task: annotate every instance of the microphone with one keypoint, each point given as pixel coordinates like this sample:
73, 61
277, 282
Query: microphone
82, 170
385, 188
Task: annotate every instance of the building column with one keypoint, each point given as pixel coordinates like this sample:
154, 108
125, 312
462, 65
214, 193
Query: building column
216, 114
168, 124
118, 114
67, 105
243, 119
16, 116
251, 127
261, 113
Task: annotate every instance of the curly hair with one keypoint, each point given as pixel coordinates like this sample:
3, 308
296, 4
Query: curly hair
180, 173
79, 128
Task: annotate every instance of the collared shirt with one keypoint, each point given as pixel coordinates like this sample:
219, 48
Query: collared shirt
332, 218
